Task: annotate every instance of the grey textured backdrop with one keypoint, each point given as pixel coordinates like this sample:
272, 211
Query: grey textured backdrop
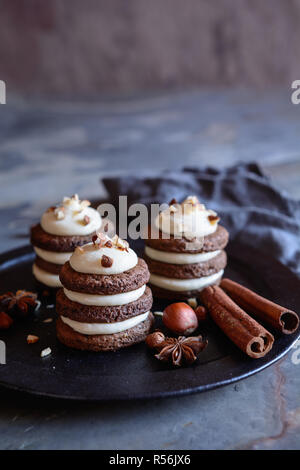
77, 46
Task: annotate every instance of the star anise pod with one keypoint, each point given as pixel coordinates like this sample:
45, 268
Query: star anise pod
21, 303
180, 350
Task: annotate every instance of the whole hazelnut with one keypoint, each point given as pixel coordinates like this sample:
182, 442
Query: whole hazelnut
201, 313
180, 318
154, 340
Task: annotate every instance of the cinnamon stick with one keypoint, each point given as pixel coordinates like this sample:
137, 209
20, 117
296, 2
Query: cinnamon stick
241, 329
280, 318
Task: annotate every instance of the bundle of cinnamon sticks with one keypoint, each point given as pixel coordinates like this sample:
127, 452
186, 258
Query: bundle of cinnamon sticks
248, 335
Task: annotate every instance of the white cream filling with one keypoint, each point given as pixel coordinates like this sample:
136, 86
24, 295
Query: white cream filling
105, 300
53, 256
179, 258
182, 285
73, 221
49, 279
104, 328
87, 259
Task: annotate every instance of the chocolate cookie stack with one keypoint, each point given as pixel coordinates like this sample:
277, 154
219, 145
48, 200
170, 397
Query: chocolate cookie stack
185, 250
62, 228
105, 303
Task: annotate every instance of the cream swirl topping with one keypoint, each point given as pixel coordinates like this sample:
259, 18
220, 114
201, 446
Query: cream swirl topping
104, 256
71, 217
189, 219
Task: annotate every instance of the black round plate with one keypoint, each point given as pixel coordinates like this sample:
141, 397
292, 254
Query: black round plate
134, 373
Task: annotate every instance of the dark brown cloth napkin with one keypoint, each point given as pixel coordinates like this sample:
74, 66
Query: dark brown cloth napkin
253, 210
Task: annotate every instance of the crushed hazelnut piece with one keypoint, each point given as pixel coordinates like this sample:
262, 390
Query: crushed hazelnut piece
115, 239
85, 203
193, 302
159, 314
48, 320
99, 239
108, 244
31, 339
173, 209
86, 220
189, 236
119, 243
59, 213
172, 202
188, 208
46, 352
106, 261
213, 219
191, 200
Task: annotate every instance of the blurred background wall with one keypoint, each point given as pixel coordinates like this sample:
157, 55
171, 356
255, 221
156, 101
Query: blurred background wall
98, 46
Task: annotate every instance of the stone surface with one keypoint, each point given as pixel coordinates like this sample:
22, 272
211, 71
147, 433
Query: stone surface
49, 150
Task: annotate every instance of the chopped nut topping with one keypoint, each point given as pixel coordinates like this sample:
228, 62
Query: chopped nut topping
108, 244
86, 220
188, 208
173, 201
99, 239
191, 200
173, 209
189, 236
106, 261
46, 352
213, 219
31, 339
115, 239
119, 243
59, 213
48, 320
85, 203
